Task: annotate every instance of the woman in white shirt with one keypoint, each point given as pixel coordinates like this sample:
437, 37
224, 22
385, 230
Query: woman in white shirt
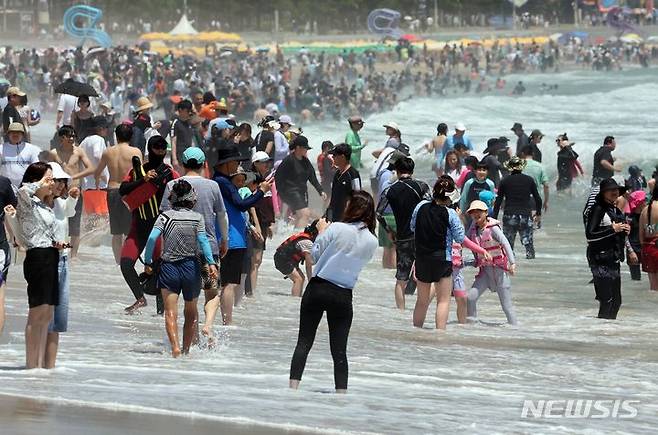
37, 229
339, 253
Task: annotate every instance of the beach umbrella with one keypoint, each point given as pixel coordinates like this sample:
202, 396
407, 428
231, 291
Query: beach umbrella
555, 37
77, 89
410, 38
631, 38
95, 50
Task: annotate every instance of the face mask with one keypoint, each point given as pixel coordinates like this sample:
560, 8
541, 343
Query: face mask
155, 159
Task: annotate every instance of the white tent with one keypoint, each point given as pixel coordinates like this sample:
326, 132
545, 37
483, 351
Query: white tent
184, 27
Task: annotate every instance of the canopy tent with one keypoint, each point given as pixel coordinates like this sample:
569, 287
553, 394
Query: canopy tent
184, 27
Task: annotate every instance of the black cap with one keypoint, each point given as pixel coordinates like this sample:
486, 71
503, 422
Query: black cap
342, 149
404, 149
516, 126
300, 141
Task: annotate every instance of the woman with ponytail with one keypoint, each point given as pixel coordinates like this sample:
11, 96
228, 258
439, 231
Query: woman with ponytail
436, 227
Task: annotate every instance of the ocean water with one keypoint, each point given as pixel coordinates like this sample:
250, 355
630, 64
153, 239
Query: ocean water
471, 378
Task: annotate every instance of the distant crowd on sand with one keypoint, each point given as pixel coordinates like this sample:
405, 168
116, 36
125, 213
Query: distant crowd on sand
312, 85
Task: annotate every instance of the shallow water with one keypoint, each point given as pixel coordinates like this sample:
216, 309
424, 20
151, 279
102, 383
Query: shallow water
402, 380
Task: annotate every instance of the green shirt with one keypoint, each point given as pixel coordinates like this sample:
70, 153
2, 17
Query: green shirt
535, 170
354, 141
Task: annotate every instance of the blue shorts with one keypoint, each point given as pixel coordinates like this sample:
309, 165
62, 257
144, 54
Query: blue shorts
60, 320
183, 275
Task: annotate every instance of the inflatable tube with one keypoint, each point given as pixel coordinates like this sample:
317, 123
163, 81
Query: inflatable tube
75, 15
385, 22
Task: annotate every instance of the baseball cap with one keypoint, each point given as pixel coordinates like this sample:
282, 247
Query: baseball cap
353, 119
516, 126
300, 141
260, 156
477, 205
341, 149
393, 125
285, 119
460, 126
194, 153
222, 124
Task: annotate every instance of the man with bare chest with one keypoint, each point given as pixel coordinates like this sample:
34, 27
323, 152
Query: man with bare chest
118, 160
75, 162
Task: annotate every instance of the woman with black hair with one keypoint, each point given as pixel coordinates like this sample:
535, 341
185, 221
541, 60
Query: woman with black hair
37, 226
606, 230
341, 250
81, 119
182, 231
435, 228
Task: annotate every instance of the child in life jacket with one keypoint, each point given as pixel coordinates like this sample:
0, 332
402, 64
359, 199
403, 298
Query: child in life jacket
292, 252
458, 284
494, 272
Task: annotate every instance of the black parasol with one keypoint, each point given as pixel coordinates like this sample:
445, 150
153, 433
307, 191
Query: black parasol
77, 89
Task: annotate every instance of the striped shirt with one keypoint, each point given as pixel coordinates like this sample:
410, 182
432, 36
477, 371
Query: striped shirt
179, 228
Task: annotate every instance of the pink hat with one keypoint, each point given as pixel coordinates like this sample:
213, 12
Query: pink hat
636, 198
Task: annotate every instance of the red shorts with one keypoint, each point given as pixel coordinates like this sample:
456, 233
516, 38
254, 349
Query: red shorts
650, 258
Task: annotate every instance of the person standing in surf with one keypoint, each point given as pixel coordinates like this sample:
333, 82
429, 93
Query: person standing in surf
183, 231
494, 271
435, 227
156, 173
340, 252
606, 231
402, 196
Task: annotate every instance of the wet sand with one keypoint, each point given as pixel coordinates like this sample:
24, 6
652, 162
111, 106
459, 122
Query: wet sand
26, 416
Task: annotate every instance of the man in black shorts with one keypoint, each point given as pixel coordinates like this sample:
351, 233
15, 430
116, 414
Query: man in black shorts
228, 160
118, 160
402, 196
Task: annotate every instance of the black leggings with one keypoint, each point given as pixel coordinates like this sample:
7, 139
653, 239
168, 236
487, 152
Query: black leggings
321, 296
607, 285
130, 252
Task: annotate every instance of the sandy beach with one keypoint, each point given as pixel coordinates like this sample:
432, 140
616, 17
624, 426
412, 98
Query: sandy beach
28, 416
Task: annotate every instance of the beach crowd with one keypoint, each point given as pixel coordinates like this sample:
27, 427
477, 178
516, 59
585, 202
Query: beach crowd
195, 196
